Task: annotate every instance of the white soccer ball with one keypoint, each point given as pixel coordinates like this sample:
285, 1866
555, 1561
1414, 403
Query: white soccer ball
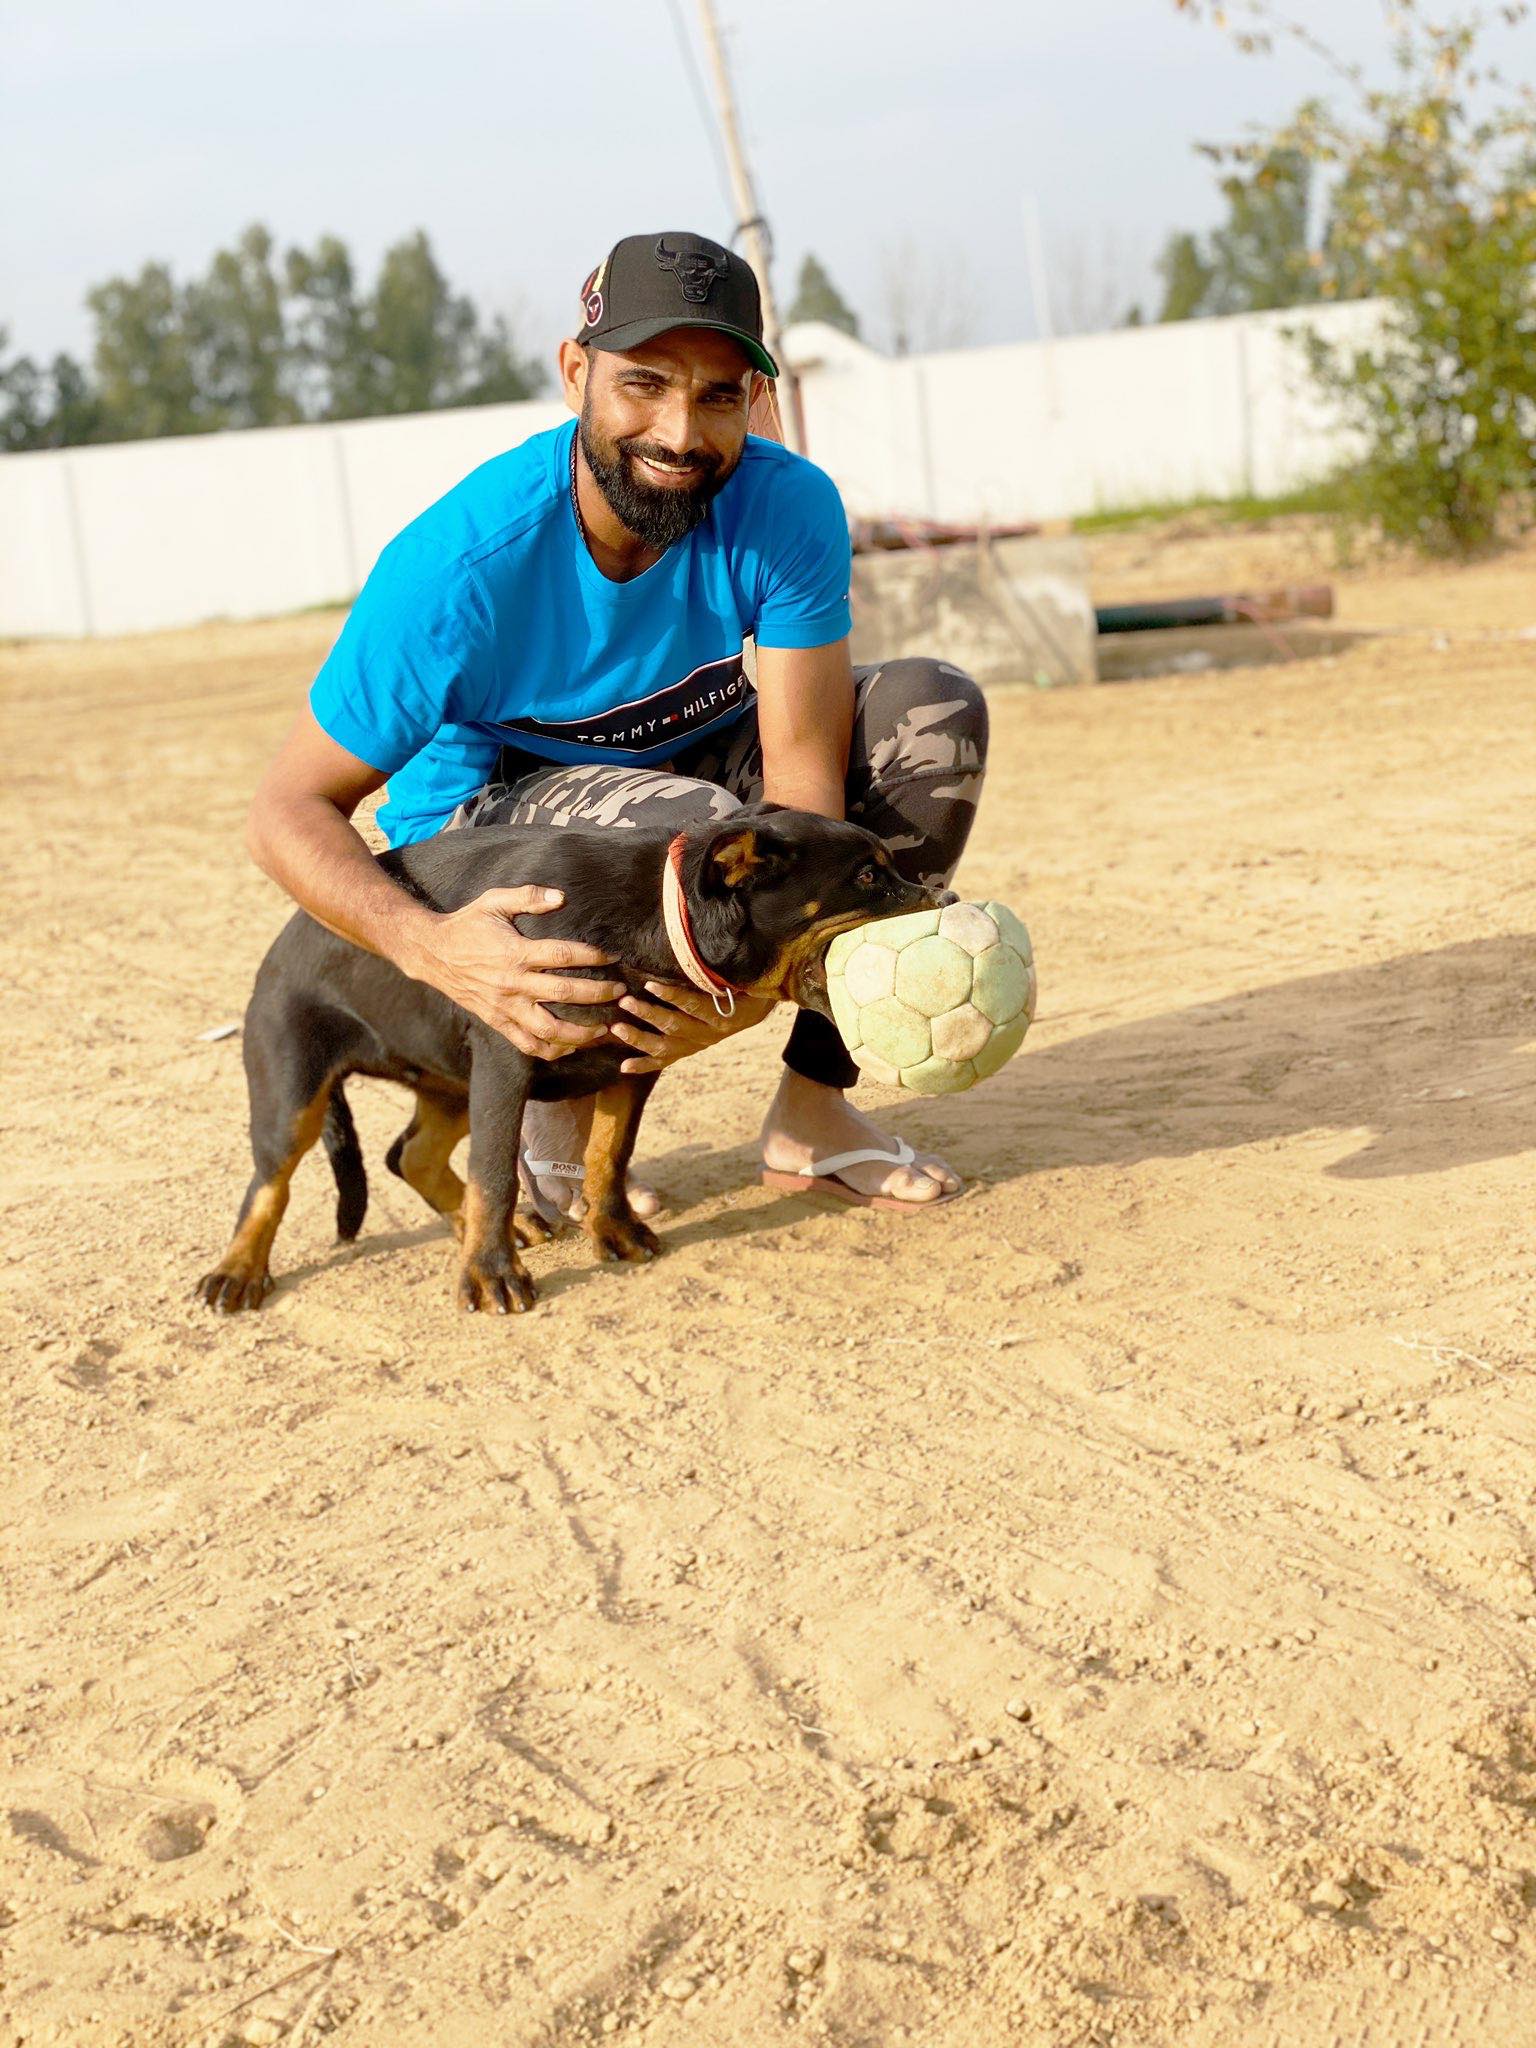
936, 1001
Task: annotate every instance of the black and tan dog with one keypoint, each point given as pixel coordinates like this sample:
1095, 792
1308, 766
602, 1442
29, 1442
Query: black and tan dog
746, 907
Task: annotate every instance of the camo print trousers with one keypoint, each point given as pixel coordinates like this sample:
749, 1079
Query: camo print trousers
915, 770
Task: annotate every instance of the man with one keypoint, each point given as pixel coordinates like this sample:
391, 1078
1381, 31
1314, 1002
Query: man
559, 641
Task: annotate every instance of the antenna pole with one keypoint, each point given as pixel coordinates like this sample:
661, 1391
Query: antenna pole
750, 225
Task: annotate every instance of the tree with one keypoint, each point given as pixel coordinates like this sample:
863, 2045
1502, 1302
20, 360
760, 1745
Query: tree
1186, 275
1258, 258
331, 357
818, 298
259, 342
52, 408
144, 357
1433, 207
237, 333
23, 400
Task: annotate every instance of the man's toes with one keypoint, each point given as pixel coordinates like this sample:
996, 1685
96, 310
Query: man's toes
911, 1186
643, 1201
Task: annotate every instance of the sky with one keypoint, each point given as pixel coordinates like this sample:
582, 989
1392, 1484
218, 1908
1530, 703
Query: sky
526, 136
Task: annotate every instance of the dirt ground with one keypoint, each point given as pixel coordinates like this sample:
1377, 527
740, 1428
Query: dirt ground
1102, 1612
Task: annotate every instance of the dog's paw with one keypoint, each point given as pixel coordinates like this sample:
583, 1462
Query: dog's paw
499, 1287
530, 1229
622, 1237
232, 1288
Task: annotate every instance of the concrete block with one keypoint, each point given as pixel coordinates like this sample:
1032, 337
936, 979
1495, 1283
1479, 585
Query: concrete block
1004, 610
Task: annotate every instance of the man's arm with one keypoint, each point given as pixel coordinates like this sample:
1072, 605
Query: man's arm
300, 833
805, 721
805, 718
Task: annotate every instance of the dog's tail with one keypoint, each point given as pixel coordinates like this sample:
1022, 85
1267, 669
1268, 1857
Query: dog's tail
346, 1157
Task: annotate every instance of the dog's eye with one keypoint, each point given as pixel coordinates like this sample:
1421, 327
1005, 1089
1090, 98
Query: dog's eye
867, 877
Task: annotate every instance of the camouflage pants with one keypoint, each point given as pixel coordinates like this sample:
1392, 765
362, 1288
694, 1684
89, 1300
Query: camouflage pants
915, 771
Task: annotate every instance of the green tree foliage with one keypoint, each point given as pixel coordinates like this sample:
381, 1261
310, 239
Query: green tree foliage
52, 408
330, 352
261, 340
143, 356
818, 298
237, 332
1433, 208
427, 344
1186, 275
1258, 257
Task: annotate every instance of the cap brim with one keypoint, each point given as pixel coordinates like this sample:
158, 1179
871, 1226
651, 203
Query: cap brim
621, 338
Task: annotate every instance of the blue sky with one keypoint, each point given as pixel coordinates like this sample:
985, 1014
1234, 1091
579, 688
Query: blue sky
526, 136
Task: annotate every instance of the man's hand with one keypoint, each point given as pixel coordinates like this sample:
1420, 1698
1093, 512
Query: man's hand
480, 960
684, 1020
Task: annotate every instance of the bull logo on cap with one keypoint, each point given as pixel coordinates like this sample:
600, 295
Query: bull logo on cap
696, 273
592, 295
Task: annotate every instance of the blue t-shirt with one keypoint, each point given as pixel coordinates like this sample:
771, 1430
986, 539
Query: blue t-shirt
486, 624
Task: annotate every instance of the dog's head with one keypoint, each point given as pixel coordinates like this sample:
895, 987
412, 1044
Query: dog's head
771, 888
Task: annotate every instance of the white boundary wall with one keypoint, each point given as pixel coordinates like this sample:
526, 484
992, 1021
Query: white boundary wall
148, 534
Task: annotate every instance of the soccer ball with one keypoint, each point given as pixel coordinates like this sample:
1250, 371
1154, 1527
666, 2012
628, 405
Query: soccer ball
936, 1001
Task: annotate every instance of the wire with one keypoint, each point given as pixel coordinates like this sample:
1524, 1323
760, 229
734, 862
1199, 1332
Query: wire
701, 101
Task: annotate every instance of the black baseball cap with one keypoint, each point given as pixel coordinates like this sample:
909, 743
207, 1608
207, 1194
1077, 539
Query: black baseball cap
648, 284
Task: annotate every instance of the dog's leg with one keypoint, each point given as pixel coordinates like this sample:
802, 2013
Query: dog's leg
420, 1157
491, 1275
611, 1224
280, 1136
421, 1153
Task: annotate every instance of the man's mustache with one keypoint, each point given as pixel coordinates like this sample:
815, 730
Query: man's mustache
694, 465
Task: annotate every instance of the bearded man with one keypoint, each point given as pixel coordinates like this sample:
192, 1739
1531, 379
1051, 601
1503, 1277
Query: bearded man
559, 641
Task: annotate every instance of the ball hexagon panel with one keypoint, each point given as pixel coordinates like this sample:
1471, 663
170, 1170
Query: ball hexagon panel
895, 1033
1011, 929
873, 1068
1001, 985
870, 971
897, 932
938, 1077
845, 1012
1000, 1047
933, 975
968, 926
960, 1034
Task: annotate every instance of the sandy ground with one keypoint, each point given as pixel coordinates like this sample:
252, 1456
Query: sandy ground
1101, 1613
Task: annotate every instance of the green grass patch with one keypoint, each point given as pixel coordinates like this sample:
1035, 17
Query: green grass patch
1319, 497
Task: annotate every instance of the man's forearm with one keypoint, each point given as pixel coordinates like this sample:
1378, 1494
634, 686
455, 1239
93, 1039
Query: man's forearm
320, 858
805, 786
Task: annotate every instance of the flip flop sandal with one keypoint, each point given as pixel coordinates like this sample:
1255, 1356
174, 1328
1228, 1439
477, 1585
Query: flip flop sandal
531, 1171
819, 1178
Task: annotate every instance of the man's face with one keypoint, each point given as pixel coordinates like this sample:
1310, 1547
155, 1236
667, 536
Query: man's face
663, 426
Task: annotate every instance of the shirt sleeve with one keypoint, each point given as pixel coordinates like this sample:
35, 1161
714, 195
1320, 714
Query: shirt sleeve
414, 655
804, 601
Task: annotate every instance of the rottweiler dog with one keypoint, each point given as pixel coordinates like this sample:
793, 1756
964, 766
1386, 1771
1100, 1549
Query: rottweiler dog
742, 907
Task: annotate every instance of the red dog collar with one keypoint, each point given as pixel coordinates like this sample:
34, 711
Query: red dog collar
674, 911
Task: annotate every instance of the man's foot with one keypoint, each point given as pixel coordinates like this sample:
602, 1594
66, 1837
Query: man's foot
808, 1121
556, 1133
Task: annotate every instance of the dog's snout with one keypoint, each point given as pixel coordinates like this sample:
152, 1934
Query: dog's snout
942, 898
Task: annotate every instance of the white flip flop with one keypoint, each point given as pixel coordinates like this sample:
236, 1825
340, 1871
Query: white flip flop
820, 1178
531, 1171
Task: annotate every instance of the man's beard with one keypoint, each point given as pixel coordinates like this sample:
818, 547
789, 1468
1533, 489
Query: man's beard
657, 514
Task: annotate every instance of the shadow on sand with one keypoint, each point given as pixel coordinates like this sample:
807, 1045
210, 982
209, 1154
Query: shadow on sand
1432, 1054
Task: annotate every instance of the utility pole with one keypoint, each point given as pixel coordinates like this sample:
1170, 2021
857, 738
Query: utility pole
750, 225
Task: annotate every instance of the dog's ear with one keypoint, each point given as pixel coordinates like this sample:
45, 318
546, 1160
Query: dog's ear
744, 857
